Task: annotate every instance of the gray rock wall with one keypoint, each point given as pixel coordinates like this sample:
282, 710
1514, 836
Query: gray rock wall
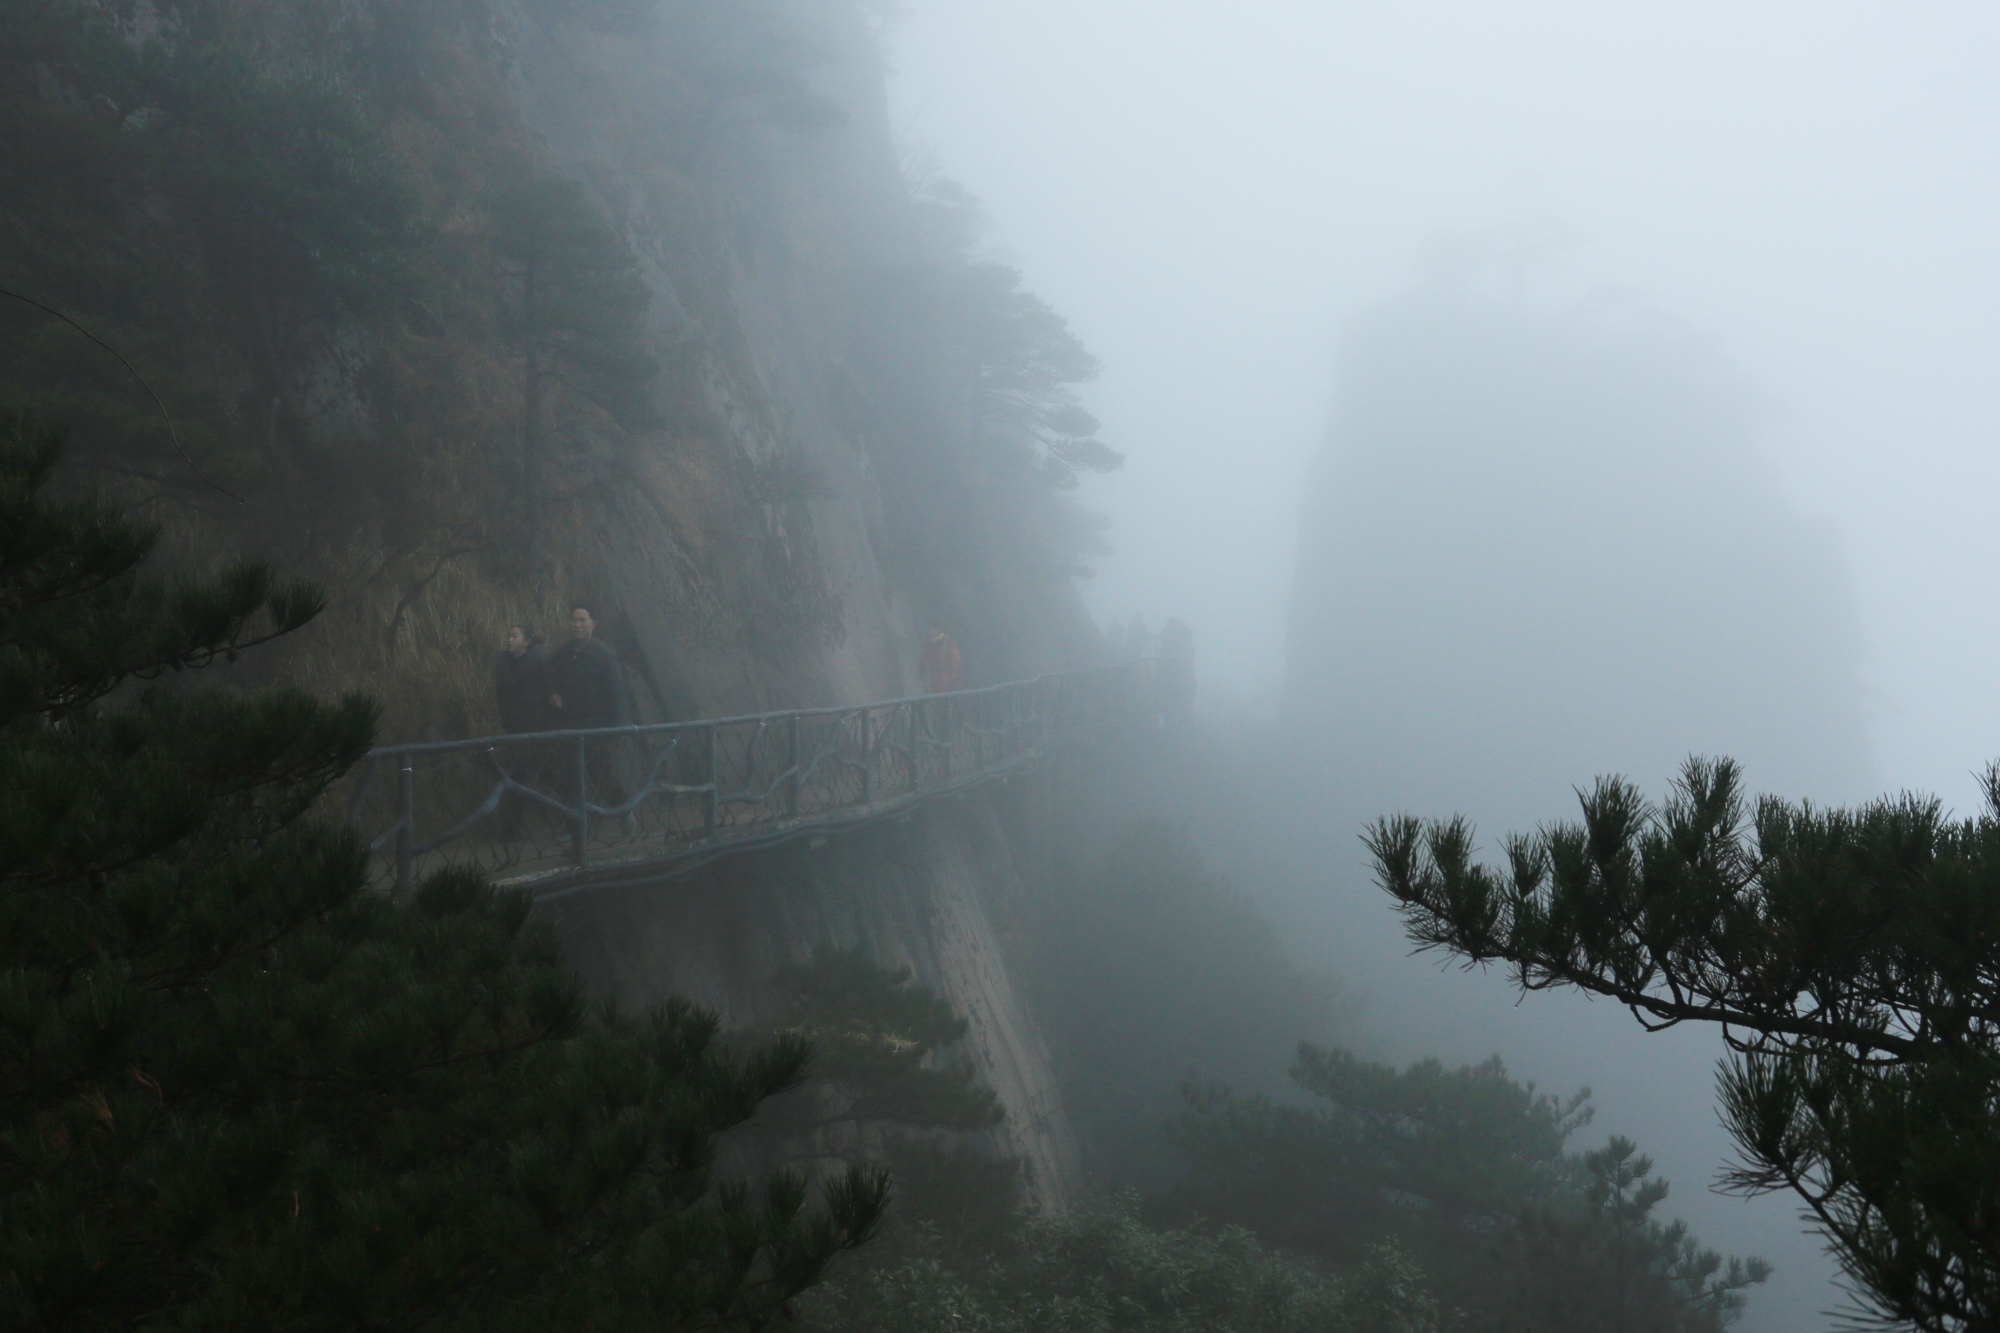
942, 892
736, 601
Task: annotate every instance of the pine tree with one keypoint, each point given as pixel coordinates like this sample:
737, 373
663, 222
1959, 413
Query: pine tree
241, 1089
1466, 1167
1026, 361
226, 215
878, 1034
1851, 957
887, 1089
1600, 1260
578, 322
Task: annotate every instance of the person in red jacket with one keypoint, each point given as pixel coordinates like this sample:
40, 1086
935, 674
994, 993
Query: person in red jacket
940, 663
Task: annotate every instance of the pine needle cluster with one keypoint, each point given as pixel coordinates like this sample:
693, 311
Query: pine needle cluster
1851, 958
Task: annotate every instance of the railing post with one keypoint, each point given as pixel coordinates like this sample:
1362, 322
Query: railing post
794, 779
579, 820
711, 799
406, 823
867, 755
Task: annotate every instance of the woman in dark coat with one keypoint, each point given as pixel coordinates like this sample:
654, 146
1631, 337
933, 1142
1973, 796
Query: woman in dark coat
521, 683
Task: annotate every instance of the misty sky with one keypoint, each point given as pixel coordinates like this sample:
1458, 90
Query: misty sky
1214, 193
1210, 192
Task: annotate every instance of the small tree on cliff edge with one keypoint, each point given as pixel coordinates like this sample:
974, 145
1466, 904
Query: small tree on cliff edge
579, 321
1852, 958
238, 1089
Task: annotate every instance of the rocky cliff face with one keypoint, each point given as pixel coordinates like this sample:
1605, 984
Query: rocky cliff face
831, 427
323, 230
943, 893
741, 596
790, 599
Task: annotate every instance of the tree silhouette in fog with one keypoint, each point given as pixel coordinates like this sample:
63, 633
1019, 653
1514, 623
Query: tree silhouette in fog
578, 320
1465, 1167
1851, 957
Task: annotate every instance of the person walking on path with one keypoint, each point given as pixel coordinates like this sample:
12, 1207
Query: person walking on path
940, 664
589, 691
522, 684
587, 686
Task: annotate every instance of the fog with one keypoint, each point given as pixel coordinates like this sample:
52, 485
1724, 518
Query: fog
1631, 367
1540, 547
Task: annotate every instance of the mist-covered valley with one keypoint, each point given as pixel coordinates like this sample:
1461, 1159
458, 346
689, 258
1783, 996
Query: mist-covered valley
730, 664
1454, 229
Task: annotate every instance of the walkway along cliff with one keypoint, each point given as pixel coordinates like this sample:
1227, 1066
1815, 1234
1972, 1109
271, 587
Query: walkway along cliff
911, 829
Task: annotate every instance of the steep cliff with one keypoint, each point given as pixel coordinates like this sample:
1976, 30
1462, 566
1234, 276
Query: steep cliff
471, 308
944, 894
313, 227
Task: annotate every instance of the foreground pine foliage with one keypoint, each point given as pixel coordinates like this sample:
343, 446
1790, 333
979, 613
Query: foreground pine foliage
239, 1089
1851, 958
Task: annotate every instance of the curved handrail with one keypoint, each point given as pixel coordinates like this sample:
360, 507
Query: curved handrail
542, 808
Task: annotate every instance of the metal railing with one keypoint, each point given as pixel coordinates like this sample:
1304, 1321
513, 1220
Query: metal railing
551, 810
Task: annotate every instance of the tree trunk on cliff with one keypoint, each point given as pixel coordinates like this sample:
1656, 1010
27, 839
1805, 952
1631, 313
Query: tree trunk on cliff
581, 321
531, 424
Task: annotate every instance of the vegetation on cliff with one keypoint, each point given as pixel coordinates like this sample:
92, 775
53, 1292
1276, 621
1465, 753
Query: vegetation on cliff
1465, 1168
1359, 1197
1155, 969
1102, 1269
890, 1087
960, 1250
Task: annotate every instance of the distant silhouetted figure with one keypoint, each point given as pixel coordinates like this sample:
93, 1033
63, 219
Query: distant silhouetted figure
1174, 652
522, 684
587, 688
943, 671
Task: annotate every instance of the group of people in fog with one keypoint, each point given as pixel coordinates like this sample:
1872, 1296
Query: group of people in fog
578, 686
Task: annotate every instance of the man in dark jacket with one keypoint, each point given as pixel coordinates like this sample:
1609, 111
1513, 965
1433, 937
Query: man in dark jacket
521, 683
589, 691
587, 687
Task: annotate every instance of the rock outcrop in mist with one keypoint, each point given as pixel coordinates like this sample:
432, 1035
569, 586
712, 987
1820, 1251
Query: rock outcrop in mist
1541, 548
